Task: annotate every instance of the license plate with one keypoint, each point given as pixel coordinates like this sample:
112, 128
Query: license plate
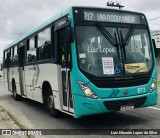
126, 107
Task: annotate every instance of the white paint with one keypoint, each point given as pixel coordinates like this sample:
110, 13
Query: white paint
99, 49
154, 108
34, 81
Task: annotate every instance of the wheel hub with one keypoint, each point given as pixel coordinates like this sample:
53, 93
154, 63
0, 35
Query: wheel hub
50, 102
14, 93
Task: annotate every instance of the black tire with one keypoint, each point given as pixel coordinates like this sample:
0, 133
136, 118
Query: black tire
15, 95
49, 104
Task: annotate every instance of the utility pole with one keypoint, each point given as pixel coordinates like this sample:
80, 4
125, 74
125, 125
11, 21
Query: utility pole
117, 4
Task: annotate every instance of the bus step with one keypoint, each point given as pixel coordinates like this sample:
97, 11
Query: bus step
69, 113
23, 96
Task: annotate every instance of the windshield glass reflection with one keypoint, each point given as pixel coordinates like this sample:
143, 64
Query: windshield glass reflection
114, 52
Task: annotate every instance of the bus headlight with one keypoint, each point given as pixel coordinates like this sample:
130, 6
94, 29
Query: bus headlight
87, 91
153, 85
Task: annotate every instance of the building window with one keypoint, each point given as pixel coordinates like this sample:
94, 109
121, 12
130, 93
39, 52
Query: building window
44, 44
31, 50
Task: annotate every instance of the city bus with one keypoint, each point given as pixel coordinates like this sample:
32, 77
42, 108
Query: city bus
85, 61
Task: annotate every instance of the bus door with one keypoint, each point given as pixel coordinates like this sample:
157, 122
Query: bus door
8, 71
21, 69
64, 59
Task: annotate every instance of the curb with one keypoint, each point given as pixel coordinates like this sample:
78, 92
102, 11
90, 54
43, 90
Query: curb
10, 118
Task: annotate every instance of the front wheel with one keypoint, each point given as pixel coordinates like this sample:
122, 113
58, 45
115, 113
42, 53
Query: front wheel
50, 104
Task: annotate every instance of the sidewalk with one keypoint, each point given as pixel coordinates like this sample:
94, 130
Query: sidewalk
6, 122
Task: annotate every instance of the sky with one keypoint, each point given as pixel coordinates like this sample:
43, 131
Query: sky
19, 16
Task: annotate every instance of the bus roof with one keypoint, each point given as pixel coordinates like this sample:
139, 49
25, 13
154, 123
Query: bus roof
106, 8
54, 18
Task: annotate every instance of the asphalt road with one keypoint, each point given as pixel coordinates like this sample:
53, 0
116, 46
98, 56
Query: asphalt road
32, 115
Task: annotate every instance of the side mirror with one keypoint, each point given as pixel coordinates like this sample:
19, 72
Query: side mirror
155, 49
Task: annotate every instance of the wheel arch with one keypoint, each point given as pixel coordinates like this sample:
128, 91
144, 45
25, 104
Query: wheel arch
45, 86
13, 83
48, 99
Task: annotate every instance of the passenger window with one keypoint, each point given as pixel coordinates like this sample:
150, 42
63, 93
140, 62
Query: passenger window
11, 57
44, 44
5, 59
31, 50
15, 56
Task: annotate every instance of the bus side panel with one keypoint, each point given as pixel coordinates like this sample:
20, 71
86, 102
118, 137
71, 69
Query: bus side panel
29, 73
8, 78
48, 72
5, 77
10, 81
35, 75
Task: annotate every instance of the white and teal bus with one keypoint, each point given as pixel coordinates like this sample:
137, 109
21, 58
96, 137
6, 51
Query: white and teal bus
85, 61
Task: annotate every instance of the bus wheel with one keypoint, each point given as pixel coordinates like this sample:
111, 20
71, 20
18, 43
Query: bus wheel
50, 104
15, 95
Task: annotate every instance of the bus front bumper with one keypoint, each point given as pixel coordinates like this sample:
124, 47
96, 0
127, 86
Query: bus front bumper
86, 106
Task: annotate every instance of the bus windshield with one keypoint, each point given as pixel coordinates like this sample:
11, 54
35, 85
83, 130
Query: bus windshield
113, 51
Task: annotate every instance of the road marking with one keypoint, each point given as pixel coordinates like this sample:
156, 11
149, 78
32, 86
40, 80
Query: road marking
154, 108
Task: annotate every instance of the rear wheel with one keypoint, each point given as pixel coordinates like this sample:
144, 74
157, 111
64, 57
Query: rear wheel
15, 95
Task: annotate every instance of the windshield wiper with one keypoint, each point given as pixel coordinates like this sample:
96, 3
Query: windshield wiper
123, 45
106, 34
120, 45
116, 39
125, 42
113, 41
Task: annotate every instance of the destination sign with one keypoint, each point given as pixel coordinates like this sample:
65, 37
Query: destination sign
116, 17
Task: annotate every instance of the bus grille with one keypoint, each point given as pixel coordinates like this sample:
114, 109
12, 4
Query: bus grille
122, 83
115, 105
